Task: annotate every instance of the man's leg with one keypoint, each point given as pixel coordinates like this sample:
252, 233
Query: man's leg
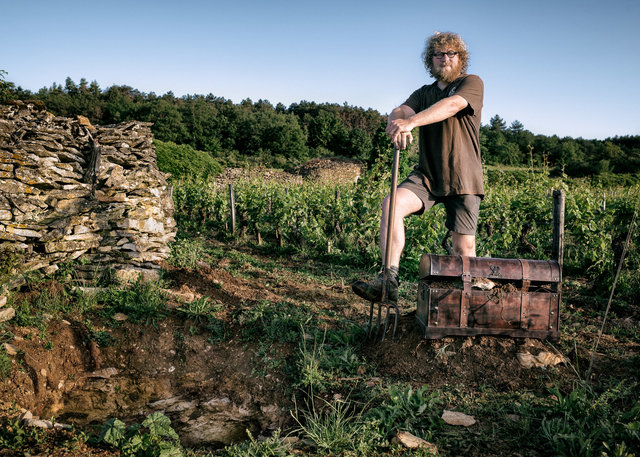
406, 203
463, 244
462, 220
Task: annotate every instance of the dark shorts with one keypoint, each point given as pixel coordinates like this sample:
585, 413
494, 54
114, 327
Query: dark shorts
462, 210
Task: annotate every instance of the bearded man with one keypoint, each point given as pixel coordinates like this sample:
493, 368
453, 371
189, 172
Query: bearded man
449, 169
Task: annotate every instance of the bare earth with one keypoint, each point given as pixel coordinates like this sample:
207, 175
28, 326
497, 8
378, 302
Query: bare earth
77, 382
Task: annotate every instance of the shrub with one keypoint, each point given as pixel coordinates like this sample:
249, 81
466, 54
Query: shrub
182, 160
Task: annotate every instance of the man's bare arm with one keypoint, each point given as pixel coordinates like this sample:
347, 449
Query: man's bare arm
401, 124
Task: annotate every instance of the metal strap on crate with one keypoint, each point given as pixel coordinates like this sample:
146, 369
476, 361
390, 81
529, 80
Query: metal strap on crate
465, 297
526, 275
524, 295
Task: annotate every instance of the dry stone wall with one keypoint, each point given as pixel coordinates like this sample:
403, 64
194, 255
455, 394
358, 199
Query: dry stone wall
69, 190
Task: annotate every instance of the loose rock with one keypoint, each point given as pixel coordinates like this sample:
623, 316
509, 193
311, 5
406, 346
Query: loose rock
7, 314
456, 418
413, 442
543, 359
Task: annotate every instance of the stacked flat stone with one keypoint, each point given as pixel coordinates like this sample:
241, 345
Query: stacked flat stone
70, 191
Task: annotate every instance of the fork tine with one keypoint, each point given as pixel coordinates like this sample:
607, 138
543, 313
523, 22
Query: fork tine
396, 312
386, 323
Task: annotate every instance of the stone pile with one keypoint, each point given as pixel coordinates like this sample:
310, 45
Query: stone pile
69, 190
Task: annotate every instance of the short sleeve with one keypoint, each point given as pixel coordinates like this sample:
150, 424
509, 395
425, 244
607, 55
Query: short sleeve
416, 100
471, 89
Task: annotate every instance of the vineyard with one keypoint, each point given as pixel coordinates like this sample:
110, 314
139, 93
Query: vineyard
341, 223
260, 312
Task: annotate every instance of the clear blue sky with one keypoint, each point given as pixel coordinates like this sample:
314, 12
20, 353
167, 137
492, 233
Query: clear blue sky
569, 68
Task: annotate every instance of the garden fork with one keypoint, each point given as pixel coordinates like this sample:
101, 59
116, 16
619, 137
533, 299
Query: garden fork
390, 306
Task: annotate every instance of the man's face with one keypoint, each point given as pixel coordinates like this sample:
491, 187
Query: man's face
446, 65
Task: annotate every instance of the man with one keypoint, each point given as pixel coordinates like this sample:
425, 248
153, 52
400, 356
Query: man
449, 169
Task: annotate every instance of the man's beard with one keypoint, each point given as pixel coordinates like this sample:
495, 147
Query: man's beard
447, 74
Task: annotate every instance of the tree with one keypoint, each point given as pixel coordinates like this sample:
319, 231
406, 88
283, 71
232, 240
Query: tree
498, 150
516, 127
6, 87
70, 87
168, 124
497, 123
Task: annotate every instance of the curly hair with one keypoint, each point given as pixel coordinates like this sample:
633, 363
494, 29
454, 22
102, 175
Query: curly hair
441, 42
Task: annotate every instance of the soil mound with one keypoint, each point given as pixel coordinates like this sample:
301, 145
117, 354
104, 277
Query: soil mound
335, 170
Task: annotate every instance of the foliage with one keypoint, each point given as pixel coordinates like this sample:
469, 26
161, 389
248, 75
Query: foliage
154, 437
341, 223
416, 412
326, 356
199, 309
273, 322
10, 260
5, 363
6, 87
187, 252
273, 446
338, 427
15, 436
182, 160
43, 299
141, 301
234, 134
584, 422
258, 133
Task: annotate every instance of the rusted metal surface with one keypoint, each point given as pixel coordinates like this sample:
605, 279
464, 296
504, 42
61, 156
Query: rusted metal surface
524, 302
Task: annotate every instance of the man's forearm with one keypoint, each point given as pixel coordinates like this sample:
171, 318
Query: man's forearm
439, 111
401, 112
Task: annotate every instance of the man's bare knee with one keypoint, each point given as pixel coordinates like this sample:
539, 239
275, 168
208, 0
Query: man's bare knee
463, 244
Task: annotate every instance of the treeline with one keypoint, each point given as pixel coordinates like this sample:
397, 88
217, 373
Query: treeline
514, 145
280, 136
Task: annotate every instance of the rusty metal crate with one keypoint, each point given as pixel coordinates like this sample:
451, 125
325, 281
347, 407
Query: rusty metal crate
524, 302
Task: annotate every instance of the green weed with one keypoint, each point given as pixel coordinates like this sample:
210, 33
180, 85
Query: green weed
102, 337
270, 447
5, 363
338, 428
217, 328
200, 310
273, 322
186, 253
153, 438
414, 411
584, 422
141, 301
10, 261
325, 357
14, 436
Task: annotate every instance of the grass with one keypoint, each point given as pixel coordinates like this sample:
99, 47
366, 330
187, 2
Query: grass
273, 446
337, 427
5, 363
273, 322
142, 301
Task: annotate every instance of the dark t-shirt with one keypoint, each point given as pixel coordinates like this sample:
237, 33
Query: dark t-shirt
449, 151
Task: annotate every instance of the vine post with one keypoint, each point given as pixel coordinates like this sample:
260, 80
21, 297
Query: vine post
232, 209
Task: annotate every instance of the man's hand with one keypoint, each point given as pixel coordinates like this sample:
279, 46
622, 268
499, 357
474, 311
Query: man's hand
399, 130
399, 127
402, 140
